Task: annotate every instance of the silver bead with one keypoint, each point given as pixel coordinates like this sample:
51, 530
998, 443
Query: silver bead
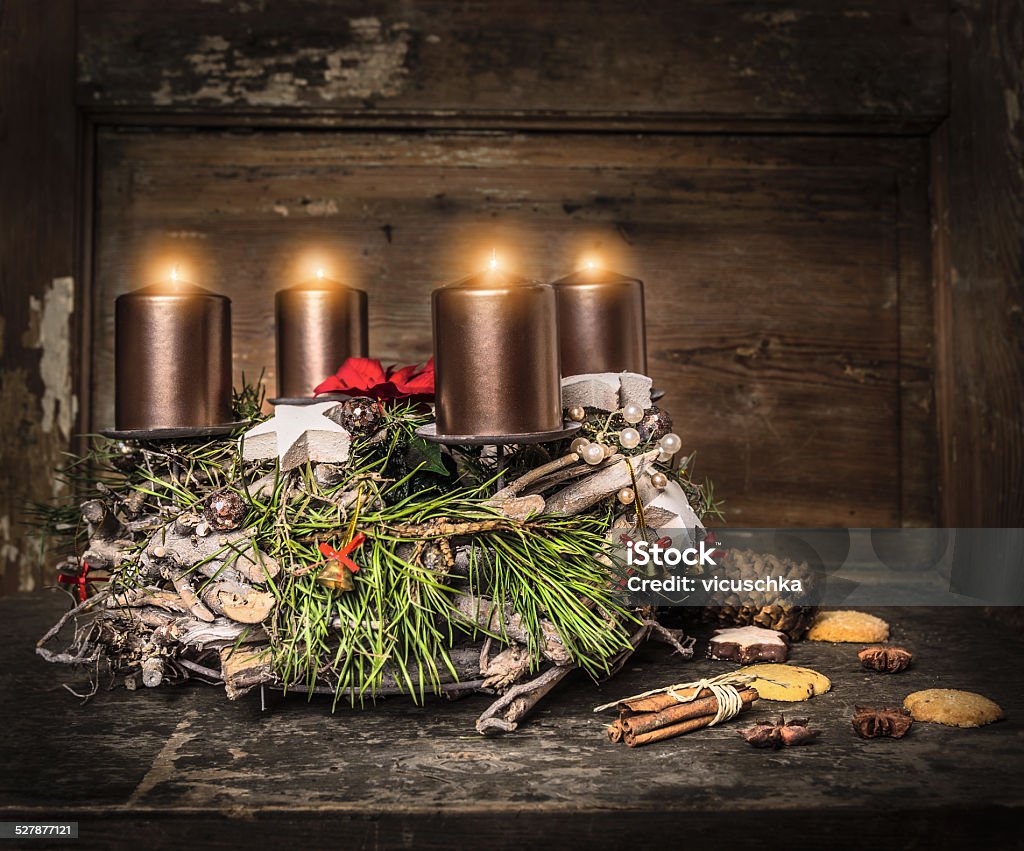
670, 444
626, 496
629, 438
659, 480
593, 453
632, 413
577, 414
578, 445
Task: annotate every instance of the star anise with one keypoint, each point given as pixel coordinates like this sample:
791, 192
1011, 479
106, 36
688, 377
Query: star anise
779, 734
871, 723
888, 660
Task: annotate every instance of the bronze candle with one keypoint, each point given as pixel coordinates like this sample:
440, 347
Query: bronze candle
320, 323
601, 325
173, 357
496, 356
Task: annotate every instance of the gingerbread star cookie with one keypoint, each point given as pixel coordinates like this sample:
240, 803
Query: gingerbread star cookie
748, 644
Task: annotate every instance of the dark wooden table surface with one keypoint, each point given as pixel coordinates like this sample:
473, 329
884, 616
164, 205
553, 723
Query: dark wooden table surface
183, 765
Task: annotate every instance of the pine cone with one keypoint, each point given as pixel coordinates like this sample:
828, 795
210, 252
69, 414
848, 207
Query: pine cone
655, 424
793, 620
358, 415
225, 510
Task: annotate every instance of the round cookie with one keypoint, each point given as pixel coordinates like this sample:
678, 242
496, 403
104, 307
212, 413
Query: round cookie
848, 626
952, 707
790, 683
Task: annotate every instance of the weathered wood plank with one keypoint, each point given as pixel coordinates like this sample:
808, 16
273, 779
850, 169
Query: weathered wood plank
787, 278
979, 160
200, 769
858, 58
37, 289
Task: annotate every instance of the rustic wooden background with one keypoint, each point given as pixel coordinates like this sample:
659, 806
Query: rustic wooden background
824, 200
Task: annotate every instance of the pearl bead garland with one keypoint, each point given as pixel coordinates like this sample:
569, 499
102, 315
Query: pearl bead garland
632, 413
577, 414
593, 453
626, 496
629, 438
578, 445
670, 444
659, 480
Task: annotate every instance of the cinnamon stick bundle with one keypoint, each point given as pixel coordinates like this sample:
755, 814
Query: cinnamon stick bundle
670, 731
645, 722
656, 717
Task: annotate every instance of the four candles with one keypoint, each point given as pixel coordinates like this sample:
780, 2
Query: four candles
501, 345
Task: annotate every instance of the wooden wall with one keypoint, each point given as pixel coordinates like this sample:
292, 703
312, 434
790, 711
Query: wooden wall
38, 143
787, 277
825, 200
979, 187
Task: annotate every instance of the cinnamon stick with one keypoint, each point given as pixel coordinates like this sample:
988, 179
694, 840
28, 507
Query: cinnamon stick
657, 702
668, 732
614, 731
645, 722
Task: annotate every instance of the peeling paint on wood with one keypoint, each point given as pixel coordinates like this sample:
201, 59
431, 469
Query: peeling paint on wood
218, 72
856, 58
50, 332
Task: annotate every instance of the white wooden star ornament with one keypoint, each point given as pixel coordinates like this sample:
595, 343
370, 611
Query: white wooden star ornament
297, 434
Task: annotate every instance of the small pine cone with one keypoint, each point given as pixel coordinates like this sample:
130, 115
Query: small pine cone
759, 609
225, 510
359, 415
794, 621
655, 424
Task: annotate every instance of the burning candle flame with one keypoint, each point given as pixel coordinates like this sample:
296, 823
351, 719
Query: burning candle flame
590, 263
493, 262
320, 274
174, 272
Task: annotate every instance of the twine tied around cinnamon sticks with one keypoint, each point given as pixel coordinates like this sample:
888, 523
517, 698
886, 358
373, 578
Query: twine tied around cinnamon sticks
678, 709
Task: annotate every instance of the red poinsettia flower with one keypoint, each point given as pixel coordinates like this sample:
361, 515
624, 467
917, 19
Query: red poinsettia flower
366, 377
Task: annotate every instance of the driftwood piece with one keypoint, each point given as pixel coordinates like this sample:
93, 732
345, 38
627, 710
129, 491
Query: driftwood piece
517, 486
487, 615
152, 671
219, 633
242, 603
231, 556
504, 715
188, 596
129, 598
554, 479
101, 521
507, 668
583, 494
69, 658
106, 554
518, 508
244, 668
